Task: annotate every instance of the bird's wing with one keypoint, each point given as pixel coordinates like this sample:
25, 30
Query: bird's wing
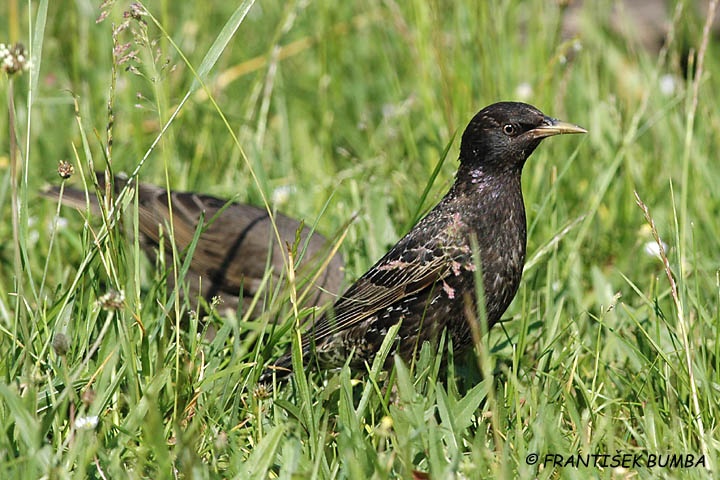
237, 242
402, 272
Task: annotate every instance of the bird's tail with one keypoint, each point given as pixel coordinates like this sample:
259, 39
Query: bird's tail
82, 199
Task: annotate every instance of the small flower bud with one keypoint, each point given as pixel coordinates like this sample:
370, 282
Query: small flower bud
65, 169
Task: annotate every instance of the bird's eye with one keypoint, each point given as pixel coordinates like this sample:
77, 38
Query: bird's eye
509, 129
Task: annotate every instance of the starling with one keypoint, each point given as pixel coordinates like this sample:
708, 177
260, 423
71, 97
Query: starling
427, 279
235, 248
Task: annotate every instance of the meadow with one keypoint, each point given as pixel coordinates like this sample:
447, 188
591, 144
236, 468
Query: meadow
348, 115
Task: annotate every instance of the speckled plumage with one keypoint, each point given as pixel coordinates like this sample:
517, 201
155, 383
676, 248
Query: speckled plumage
427, 278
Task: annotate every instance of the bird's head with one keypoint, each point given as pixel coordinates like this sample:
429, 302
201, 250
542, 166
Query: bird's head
503, 135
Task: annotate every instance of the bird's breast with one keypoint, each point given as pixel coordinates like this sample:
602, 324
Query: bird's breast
501, 233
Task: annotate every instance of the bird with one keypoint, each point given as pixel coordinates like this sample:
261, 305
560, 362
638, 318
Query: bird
426, 282
234, 249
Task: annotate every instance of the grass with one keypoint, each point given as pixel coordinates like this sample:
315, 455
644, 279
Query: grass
349, 108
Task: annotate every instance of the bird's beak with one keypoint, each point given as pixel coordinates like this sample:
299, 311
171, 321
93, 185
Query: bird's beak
552, 126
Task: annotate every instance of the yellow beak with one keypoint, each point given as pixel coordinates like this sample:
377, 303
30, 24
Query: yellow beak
552, 126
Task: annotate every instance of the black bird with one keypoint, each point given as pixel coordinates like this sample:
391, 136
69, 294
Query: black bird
235, 248
426, 280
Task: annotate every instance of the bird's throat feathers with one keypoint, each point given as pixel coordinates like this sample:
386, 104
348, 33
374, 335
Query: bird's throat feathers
487, 184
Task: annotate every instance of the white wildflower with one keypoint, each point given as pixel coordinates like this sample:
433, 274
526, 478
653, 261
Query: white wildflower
86, 423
